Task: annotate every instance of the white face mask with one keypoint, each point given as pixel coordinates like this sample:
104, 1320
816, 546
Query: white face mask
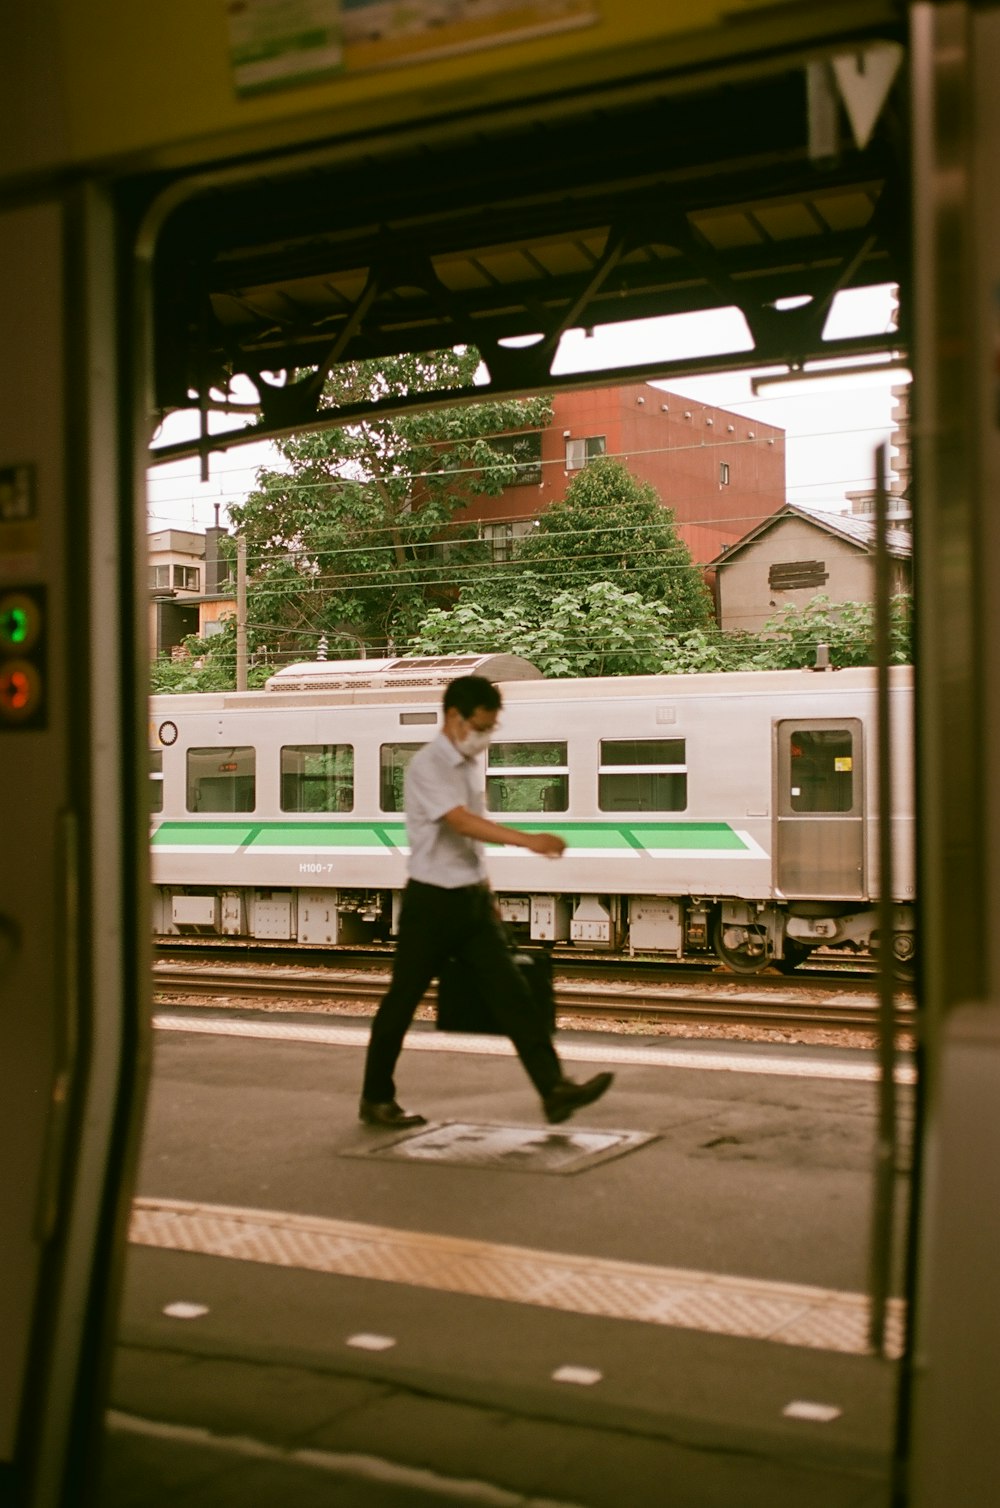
475, 742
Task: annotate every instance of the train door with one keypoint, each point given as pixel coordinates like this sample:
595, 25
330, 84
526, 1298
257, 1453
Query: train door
73, 1021
819, 839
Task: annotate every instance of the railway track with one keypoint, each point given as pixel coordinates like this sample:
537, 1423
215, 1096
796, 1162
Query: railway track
772, 1004
567, 960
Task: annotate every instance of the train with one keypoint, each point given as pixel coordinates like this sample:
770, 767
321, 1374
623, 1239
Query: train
727, 816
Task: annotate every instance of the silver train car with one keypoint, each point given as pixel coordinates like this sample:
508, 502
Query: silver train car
725, 813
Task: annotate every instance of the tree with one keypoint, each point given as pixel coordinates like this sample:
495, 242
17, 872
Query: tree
206, 665
352, 537
602, 585
790, 639
609, 527
602, 630
597, 629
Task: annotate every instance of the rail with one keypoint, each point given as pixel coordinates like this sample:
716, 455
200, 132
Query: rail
598, 1001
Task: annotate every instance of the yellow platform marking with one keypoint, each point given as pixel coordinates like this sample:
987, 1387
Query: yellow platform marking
747, 1308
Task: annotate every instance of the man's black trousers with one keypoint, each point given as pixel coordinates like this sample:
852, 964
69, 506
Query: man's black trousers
436, 924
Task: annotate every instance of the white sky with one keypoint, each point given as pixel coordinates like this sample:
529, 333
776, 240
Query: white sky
832, 427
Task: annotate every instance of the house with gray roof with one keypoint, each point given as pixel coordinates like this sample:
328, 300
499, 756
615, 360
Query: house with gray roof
799, 553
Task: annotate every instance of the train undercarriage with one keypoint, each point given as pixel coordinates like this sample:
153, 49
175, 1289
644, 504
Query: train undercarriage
745, 935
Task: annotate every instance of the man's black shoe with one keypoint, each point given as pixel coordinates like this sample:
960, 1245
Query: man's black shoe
387, 1113
560, 1102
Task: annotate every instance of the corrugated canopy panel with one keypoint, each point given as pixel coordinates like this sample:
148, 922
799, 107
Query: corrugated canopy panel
669, 200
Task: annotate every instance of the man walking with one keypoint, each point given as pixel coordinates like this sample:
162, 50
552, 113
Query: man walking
448, 911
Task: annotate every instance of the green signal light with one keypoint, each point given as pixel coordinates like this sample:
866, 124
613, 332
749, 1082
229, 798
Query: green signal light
20, 620
14, 625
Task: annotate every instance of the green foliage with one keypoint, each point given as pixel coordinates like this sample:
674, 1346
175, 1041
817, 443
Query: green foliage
592, 630
602, 585
207, 665
790, 639
609, 528
345, 539
603, 630
353, 538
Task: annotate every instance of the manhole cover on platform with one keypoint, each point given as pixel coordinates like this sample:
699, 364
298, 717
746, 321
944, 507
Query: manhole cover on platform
523, 1149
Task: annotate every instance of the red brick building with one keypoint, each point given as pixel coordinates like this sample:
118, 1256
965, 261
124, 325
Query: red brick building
721, 473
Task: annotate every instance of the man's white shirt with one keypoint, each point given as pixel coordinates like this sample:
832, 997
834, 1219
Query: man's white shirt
438, 779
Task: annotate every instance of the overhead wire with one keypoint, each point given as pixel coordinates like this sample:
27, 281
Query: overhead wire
376, 580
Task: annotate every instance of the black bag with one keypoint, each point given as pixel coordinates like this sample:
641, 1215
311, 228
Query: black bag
460, 1009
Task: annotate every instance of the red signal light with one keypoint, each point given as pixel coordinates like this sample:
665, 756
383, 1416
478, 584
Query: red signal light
20, 688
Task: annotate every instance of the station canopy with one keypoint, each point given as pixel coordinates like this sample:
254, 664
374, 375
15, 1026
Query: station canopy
675, 195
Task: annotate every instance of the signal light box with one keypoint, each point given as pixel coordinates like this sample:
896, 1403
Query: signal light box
23, 624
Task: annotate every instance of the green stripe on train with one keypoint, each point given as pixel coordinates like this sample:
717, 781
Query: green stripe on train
654, 837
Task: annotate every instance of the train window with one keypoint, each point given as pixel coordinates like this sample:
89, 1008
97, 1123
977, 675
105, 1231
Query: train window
317, 778
393, 760
642, 775
221, 780
822, 770
527, 778
156, 780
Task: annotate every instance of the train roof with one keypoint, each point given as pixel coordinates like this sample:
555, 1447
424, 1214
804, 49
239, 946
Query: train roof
714, 683
400, 672
419, 688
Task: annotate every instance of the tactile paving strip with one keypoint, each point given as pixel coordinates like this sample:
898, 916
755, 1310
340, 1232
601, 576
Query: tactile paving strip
741, 1307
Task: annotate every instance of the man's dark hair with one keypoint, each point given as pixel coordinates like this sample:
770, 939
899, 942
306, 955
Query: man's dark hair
469, 693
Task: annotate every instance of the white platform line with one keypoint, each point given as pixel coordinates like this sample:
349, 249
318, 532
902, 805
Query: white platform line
378, 1474
747, 1308
570, 1051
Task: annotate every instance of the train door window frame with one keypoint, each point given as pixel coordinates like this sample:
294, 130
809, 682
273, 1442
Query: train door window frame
642, 784
332, 779
546, 783
825, 772
155, 782
234, 778
392, 773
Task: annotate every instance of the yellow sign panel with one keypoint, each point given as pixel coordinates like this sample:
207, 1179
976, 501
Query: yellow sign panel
197, 80
278, 44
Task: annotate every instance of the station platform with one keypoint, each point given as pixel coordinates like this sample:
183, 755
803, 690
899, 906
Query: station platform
317, 1313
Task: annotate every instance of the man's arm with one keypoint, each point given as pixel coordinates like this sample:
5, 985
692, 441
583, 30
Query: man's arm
470, 825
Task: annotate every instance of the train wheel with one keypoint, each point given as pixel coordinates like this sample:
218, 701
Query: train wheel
904, 955
794, 954
748, 955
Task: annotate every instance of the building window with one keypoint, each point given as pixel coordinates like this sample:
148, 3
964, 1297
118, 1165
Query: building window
187, 578
790, 575
642, 775
526, 452
393, 760
723, 473
159, 578
317, 778
580, 452
527, 778
500, 538
221, 780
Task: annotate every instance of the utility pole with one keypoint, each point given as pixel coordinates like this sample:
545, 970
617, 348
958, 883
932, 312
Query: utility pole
241, 613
